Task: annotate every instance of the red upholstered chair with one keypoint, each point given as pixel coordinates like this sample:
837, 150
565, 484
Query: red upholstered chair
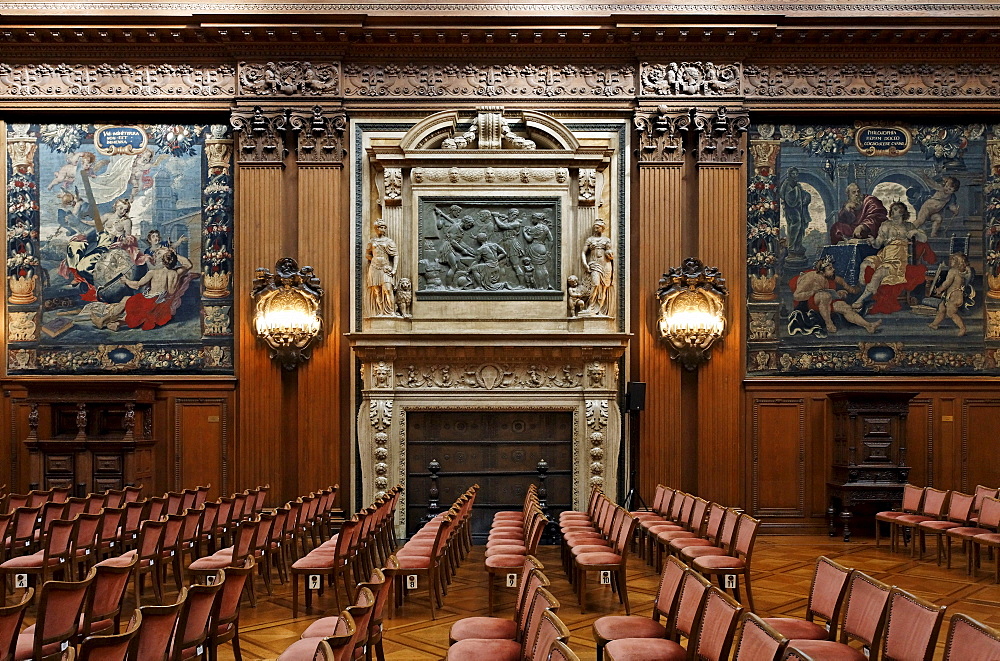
615, 627
793, 654
969, 639
864, 621
275, 554
187, 502
560, 651
712, 534
913, 497
110, 647
14, 500
531, 576
50, 512
233, 556
53, 558
430, 567
328, 562
102, 615
695, 527
189, 541
132, 518
614, 560
338, 647
826, 598
502, 563
550, 630
360, 613
959, 511
224, 625
206, 531
174, 501
502, 649
133, 493
147, 552
911, 627
988, 521
991, 539
933, 507
195, 617
109, 537
75, 506
261, 496
737, 564
202, 496
10, 624
980, 493
157, 631
84, 551
114, 498
169, 556
62, 603
690, 609
758, 641
60, 494
95, 503
21, 539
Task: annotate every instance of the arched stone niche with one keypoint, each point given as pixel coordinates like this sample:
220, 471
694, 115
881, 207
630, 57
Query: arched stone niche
476, 222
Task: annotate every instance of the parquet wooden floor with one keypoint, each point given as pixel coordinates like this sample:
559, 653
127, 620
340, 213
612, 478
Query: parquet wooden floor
782, 570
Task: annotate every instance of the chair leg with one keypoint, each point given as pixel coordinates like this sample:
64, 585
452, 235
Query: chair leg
489, 590
295, 595
623, 588
582, 587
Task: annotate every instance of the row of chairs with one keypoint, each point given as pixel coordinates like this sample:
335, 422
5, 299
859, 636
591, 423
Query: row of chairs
535, 633
971, 519
38, 497
513, 537
714, 540
434, 552
86, 614
598, 540
364, 542
357, 631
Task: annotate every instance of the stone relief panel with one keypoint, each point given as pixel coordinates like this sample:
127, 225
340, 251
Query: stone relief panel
498, 80
471, 247
111, 81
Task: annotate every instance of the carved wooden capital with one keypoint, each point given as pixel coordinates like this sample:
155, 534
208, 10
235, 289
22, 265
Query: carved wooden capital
720, 135
320, 134
289, 79
661, 134
259, 134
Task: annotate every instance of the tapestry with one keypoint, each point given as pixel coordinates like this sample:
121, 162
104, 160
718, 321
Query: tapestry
119, 249
873, 248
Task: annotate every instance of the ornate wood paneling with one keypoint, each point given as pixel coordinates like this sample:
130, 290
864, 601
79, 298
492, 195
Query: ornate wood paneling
777, 466
980, 459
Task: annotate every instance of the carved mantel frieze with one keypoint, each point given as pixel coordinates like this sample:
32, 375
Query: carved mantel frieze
289, 79
690, 79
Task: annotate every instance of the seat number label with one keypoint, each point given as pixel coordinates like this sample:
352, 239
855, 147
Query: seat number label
512, 580
411, 582
730, 581
20, 581
314, 580
605, 578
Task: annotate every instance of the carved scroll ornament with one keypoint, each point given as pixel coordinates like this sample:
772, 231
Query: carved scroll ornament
320, 134
123, 80
689, 79
289, 79
720, 136
661, 134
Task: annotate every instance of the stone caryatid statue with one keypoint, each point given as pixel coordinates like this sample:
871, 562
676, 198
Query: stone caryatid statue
599, 261
381, 276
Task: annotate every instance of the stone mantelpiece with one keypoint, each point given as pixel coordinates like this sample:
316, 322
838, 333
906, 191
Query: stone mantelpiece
489, 372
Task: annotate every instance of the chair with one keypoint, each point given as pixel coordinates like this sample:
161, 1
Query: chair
615, 627
428, 566
510, 558
60, 494
225, 622
969, 639
132, 517
758, 641
360, 613
22, 531
864, 621
911, 627
913, 497
338, 647
194, 619
111, 647
550, 630
50, 512
935, 501
502, 649
62, 602
15, 500
114, 498
959, 511
104, 605
169, 551
530, 577
147, 554
10, 624
132, 493
202, 496
188, 541
109, 536
85, 539
613, 560
174, 501
52, 559
560, 651
157, 632
736, 564
988, 523
826, 597
690, 609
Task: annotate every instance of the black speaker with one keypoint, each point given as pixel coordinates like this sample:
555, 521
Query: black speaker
635, 395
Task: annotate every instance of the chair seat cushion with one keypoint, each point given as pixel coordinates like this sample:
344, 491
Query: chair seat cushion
312, 561
210, 562
615, 627
600, 558
663, 527
33, 561
938, 525
689, 542
828, 650
506, 549
911, 519
667, 536
24, 642
717, 562
489, 628
589, 548
479, 648
324, 627
504, 561
644, 649
413, 561
989, 538
692, 552
966, 532
301, 650
889, 515
792, 627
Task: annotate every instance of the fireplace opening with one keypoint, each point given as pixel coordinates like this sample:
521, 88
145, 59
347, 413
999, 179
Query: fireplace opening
499, 450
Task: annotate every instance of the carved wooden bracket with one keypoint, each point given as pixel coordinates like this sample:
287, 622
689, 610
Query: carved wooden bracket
720, 135
661, 134
320, 134
259, 134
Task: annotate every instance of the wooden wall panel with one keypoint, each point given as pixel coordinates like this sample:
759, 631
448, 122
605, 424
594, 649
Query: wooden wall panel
721, 205
920, 445
322, 244
980, 459
199, 444
258, 451
657, 247
777, 467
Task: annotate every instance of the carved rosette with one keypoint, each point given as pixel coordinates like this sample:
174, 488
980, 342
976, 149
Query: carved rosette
278, 79
468, 80
720, 136
687, 79
148, 82
320, 134
260, 134
661, 134
597, 425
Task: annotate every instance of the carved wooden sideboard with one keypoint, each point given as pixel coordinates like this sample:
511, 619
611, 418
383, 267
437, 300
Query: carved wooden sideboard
869, 452
90, 437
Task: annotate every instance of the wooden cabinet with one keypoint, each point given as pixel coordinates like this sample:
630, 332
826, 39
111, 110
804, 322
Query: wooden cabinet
90, 437
869, 452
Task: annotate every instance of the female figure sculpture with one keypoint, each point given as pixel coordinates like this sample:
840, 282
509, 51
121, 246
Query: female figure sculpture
598, 258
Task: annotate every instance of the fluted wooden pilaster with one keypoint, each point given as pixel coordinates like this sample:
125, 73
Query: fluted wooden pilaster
721, 206
659, 231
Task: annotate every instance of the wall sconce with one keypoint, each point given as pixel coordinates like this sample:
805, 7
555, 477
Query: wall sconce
692, 310
287, 310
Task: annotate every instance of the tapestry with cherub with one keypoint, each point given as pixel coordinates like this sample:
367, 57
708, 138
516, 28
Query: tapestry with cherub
873, 248
119, 255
